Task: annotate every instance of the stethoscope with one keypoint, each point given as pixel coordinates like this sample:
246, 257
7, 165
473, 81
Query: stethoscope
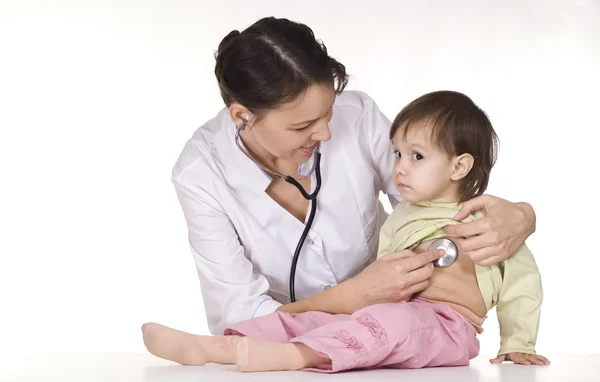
444, 243
451, 252
313, 197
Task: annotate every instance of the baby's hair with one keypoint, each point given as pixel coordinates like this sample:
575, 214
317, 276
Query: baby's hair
457, 126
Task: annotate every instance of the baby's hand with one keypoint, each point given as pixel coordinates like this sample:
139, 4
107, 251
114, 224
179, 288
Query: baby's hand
521, 359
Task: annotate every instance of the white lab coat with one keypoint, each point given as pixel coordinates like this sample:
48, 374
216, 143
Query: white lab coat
243, 241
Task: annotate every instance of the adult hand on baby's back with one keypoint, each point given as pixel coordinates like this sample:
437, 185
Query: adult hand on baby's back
393, 278
496, 236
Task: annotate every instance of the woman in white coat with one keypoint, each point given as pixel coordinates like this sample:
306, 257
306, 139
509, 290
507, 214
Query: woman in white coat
244, 223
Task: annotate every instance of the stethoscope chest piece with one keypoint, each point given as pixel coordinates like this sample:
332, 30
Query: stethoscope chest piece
451, 252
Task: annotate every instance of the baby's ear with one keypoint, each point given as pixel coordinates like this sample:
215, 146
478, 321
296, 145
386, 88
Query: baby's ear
461, 165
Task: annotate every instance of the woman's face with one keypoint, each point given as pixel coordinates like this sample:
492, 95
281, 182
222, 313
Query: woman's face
292, 131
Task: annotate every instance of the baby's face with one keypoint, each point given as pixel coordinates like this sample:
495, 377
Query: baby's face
422, 170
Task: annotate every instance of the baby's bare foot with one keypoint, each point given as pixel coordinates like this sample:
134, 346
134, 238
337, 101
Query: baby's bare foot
186, 348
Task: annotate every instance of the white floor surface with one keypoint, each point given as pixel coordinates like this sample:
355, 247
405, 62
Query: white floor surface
95, 367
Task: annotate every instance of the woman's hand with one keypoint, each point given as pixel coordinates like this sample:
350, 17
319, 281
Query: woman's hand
394, 277
498, 235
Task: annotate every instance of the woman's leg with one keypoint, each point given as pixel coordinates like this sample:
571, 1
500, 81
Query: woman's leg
266, 346
190, 349
405, 335
282, 327
257, 355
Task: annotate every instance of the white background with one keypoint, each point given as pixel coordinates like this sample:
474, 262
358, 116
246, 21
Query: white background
97, 99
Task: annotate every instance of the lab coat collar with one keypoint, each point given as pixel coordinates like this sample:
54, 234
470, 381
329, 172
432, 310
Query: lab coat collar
240, 171
250, 182
238, 166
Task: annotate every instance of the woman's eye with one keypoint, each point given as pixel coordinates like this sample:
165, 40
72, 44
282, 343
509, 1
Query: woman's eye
417, 156
397, 154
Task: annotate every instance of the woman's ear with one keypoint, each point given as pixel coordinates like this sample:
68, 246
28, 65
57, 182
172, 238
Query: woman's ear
461, 165
239, 113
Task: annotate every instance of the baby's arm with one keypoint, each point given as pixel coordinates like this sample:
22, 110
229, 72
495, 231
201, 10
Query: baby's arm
519, 307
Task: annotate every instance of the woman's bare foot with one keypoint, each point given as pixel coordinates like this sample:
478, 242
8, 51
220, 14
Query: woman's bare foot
255, 355
188, 349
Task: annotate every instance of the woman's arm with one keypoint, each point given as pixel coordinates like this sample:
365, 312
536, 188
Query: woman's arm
393, 278
329, 301
498, 235
232, 292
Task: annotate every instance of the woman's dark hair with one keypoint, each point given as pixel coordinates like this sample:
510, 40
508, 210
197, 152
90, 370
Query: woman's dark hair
457, 126
273, 62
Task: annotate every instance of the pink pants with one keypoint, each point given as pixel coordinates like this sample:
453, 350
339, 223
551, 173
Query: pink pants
411, 334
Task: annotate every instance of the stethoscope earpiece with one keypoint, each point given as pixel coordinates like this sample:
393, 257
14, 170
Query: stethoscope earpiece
246, 119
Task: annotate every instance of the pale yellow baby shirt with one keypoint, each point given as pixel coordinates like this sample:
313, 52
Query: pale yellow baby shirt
512, 286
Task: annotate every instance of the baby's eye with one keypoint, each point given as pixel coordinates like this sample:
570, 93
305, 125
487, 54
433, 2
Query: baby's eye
417, 156
397, 154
